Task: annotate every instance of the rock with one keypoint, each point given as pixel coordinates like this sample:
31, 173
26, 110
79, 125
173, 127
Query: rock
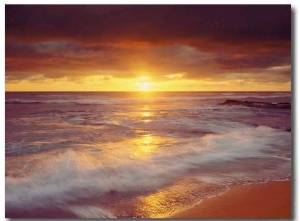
257, 104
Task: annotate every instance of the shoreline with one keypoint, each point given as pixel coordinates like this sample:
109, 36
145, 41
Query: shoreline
268, 200
258, 201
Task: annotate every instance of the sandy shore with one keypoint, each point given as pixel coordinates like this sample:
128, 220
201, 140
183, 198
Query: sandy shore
270, 200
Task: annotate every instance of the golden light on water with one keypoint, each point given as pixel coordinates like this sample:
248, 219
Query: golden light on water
146, 114
145, 144
153, 205
169, 200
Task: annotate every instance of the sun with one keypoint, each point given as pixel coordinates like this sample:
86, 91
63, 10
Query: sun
144, 83
144, 86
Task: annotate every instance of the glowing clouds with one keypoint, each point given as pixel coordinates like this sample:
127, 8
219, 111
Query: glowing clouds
216, 44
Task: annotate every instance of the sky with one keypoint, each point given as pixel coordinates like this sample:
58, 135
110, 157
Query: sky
147, 47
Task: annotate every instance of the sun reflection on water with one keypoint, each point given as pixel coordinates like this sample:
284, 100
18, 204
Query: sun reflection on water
173, 198
145, 144
146, 114
154, 205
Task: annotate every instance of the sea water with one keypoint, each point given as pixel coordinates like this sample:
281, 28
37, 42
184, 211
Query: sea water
138, 154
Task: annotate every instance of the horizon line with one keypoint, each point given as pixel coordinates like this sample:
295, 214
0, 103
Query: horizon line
134, 91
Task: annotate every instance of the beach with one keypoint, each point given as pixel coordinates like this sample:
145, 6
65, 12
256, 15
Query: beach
269, 201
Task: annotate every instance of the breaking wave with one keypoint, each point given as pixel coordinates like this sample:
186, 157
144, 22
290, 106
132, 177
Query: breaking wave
71, 175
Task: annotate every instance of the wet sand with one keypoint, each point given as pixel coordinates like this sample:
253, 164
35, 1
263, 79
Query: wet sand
270, 200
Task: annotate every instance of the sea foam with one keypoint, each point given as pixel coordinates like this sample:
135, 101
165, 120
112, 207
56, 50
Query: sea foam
74, 174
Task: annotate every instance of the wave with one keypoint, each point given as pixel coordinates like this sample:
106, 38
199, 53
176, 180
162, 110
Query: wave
18, 101
90, 212
250, 153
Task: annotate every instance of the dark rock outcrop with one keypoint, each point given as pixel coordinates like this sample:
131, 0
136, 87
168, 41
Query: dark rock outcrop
257, 104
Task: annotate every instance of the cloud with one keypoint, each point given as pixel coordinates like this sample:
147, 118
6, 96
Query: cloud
125, 41
148, 23
61, 59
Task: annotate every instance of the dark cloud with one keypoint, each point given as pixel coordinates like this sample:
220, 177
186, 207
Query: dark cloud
252, 61
201, 41
148, 23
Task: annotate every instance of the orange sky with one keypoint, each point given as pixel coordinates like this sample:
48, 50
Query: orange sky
151, 47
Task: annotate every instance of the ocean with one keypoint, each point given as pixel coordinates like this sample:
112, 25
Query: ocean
139, 154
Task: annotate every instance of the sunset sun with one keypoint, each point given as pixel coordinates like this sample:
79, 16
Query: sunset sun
144, 86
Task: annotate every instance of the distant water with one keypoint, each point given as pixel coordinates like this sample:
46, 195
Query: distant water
130, 155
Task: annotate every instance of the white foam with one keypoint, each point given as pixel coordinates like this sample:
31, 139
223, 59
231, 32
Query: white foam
73, 175
90, 212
